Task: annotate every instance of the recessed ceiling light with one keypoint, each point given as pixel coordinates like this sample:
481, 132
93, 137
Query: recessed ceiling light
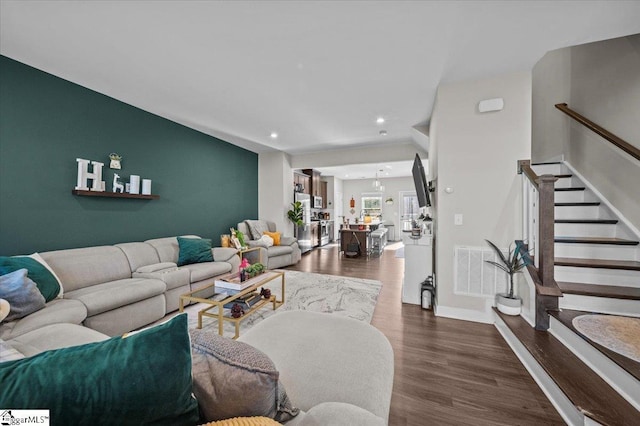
388, 166
383, 133
380, 120
274, 135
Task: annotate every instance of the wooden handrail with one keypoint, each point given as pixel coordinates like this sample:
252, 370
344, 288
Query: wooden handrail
524, 167
619, 142
552, 288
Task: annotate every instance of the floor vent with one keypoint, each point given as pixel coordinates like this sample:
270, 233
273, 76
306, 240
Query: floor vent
475, 277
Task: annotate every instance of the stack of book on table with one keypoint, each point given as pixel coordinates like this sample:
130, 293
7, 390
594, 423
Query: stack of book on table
233, 286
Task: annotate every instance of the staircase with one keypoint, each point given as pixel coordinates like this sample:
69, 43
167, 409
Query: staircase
597, 255
597, 268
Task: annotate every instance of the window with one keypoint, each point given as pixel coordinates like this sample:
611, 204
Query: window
372, 204
409, 208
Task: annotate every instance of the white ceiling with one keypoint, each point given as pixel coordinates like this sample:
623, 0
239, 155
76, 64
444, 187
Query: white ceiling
317, 73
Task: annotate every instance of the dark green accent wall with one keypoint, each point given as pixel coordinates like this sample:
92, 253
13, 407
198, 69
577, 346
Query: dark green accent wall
205, 184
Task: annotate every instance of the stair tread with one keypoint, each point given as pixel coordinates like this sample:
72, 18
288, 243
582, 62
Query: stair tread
600, 290
629, 265
584, 388
573, 188
596, 240
544, 164
578, 204
566, 317
588, 221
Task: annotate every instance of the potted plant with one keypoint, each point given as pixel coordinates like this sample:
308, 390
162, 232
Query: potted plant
295, 214
508, 303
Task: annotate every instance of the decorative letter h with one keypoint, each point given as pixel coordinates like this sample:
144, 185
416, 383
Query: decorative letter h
83, 175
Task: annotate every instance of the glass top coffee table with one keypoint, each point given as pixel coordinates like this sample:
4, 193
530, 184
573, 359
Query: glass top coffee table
219, 299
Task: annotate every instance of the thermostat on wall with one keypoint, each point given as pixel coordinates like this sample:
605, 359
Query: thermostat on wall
488, 105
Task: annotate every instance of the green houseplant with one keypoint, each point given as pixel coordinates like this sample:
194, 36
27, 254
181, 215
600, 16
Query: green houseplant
508, 303
295, 214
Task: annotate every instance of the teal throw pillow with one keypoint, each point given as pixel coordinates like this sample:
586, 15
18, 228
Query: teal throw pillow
22, 294
44, 279
194, 250
144, 378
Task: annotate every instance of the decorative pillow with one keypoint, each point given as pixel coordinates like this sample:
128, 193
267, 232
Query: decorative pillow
267, 240
257, 228
275, 236
22, 294
142, 379
44, 263
245, 421
233, 379
194, 250
47, 282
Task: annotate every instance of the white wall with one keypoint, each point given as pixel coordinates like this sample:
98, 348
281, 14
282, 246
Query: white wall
601, 81
393, 186
275, 189
476, 155
551, 84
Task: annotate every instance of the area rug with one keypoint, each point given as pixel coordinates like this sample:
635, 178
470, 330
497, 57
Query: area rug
619, 334
349, 297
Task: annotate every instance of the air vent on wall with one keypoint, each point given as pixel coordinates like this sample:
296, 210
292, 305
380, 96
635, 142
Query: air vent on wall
473, 276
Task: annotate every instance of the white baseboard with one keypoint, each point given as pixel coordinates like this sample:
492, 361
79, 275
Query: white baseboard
485, 317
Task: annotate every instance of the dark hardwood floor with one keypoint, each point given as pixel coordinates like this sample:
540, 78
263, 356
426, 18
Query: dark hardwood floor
447, 372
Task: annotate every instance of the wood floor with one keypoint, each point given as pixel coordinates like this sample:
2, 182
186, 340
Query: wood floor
447, 372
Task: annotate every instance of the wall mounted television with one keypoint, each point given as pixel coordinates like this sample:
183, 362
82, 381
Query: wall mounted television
420, 181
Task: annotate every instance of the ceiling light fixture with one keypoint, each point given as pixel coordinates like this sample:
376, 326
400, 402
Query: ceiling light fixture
380, 120
274, 135
383, 133
377, 184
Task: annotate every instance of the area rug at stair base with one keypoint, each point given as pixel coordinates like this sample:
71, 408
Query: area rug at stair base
336, 295
617, 333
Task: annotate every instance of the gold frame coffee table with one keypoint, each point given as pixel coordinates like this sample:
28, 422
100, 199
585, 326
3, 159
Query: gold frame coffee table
255, 282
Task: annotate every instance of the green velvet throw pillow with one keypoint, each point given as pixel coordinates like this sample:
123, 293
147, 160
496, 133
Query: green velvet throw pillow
194, 250
144, 378
38, 273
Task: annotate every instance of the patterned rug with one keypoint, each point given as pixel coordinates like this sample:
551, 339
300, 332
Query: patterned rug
350, 297
619, 334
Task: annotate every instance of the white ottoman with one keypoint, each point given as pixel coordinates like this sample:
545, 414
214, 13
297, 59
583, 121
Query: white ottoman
325, 358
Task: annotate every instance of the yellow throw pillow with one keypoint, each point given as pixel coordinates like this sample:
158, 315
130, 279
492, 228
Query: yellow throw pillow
275, 236
245, 421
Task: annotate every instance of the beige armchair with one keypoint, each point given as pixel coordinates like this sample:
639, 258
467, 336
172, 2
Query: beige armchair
276, 256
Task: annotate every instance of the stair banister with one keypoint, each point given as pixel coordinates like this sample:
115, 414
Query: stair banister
615, 140
539, 195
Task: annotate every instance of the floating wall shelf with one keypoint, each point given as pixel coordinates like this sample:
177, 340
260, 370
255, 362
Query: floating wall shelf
113, 195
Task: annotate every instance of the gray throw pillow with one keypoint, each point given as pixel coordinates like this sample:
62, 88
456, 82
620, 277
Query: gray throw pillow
21, 293
234, 379
257, 228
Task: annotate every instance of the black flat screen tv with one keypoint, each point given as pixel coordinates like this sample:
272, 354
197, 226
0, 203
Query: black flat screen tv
420, 181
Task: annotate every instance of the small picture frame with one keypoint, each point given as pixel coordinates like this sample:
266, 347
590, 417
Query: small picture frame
236, 243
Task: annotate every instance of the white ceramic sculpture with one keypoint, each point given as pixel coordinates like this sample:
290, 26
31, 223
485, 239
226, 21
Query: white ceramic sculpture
117, 185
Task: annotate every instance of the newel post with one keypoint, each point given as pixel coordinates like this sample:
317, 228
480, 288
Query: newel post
546, 240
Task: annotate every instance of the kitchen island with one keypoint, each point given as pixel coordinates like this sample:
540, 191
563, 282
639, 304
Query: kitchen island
359, 237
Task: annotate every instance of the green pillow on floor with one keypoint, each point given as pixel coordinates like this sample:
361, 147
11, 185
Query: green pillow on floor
144, 378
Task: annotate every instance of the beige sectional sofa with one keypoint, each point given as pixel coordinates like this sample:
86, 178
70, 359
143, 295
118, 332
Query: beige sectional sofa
116, 289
